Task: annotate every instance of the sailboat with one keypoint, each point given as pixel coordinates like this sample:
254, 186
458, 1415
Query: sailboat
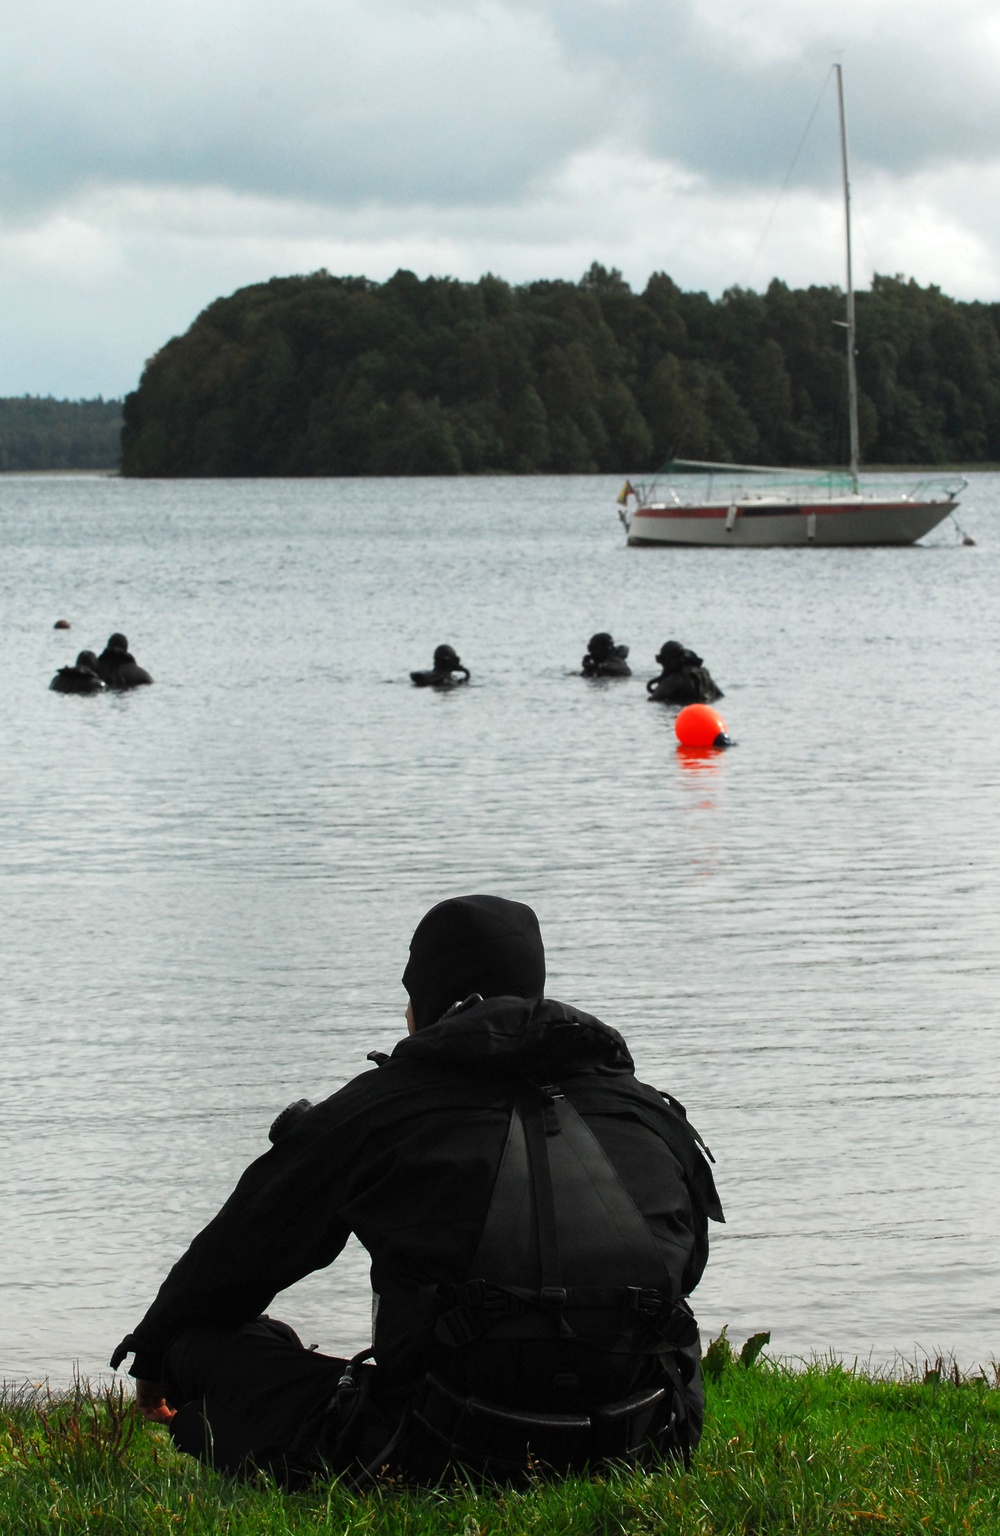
745, 505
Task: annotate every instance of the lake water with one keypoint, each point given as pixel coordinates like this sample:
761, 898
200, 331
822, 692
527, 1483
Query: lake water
209, 886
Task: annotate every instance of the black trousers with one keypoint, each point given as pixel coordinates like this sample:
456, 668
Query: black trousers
256, 1398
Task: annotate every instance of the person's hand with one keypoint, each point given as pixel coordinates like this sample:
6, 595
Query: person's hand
151, 1403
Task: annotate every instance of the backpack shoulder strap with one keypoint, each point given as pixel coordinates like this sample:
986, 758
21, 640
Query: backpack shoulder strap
603, 1236
507, 1251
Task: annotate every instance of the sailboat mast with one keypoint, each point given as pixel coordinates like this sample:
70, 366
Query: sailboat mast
852, 372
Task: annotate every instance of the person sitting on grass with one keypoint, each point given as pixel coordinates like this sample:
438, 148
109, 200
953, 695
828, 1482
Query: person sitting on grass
535, 1217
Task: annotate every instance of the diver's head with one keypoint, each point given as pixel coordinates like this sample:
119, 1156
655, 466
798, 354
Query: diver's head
483, 944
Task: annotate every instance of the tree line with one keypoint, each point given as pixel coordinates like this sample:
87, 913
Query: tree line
43, 433
323, 375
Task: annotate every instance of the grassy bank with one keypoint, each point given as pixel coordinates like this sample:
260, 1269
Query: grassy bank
820, 1450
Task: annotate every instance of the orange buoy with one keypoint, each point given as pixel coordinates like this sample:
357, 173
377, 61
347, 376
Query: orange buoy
699, 725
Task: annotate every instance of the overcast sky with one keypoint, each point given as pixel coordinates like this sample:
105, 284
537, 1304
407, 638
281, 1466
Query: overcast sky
153, 157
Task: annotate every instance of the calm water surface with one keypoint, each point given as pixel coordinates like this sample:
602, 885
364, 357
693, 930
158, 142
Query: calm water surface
209, 886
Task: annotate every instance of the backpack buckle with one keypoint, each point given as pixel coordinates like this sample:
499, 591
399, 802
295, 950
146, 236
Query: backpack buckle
646, 1303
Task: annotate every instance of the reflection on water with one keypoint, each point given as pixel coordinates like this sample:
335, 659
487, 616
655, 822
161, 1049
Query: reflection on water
209, 886
699, 759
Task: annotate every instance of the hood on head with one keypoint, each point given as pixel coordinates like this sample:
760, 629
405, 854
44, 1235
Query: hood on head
483, 944
672, 656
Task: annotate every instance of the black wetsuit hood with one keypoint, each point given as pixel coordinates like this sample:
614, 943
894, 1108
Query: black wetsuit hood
473, 944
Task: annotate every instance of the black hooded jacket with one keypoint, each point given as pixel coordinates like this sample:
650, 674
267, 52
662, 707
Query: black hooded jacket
406, 1157
118, 668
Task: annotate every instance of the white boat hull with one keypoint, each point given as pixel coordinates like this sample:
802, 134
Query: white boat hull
765, 524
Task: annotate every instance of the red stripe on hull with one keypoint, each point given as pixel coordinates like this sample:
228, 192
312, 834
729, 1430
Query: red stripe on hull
827, 510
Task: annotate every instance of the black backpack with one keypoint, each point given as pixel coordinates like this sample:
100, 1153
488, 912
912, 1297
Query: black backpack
566, 1347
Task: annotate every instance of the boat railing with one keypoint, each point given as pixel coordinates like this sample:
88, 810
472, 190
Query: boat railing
689, 483
938, 488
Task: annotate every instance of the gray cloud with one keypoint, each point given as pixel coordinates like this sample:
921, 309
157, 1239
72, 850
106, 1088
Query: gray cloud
385, 102
746, 129
469, 104
726, 90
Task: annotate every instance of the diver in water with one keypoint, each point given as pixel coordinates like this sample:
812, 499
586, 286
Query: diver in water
684, 679
81, 677
442, 675
118, 668
604, 658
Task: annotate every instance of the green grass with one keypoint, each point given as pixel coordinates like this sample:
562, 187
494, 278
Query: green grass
820, 1449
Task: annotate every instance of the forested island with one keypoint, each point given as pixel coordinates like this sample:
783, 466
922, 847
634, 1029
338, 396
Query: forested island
322, 375
39, 433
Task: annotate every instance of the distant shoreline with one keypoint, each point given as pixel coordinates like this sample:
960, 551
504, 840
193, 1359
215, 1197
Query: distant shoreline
596, 474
